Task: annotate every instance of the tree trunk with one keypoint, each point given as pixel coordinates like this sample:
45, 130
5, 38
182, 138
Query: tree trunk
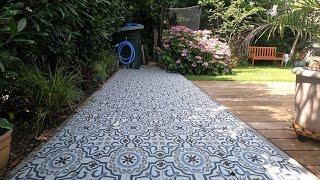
162, 16
294, 45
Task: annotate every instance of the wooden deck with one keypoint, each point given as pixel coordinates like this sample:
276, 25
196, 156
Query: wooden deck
268, 109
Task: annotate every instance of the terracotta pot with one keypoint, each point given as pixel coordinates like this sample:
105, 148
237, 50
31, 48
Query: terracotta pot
5, 141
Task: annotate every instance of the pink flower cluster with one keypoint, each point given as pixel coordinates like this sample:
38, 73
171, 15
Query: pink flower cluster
196, 39
194, 49
184, 53
180, 29
214, 46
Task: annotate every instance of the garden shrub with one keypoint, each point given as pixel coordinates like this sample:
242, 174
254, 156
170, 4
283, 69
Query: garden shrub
51, 92
12, 35
231, 19
42, 35
55, 33
194, 52
106, 63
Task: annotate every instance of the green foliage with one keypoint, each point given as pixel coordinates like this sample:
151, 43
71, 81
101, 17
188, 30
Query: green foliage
7, 71
11, 26
283, 45
146, 12
231, 20
301, 17
243, 62
5, 124
51, 92
38, 37
105, 63
74, 29
11, 35
183, 3
58, 32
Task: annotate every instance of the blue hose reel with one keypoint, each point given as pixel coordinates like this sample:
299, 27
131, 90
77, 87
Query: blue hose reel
126, 60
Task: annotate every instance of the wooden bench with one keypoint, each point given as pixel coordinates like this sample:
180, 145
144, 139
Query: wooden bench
265, 53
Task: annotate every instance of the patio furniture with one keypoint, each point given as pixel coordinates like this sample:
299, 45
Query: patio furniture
306, 120
265, 53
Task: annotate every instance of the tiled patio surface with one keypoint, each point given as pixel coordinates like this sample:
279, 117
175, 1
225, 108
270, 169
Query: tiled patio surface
149, 124
268, 108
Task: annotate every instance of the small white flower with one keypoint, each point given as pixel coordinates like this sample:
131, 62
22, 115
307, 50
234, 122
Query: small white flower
273, 11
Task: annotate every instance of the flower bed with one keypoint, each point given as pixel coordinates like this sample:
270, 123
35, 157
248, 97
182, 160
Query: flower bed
194, 52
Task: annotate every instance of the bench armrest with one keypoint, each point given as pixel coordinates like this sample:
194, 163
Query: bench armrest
251, 54
280, 54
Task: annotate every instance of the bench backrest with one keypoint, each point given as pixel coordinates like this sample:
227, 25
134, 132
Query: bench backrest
262, 51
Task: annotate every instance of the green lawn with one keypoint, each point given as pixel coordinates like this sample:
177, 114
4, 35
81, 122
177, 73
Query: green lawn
252, 74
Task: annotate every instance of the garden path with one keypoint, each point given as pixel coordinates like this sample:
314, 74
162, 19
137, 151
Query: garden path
268, 108
149, 124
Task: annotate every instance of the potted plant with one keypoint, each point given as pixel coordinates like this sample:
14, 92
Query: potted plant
5, 139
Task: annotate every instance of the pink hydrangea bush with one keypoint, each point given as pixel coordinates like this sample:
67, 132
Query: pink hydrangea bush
194, 52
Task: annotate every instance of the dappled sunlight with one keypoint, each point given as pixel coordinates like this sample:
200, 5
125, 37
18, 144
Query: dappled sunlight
221, 108
274, 110
276, 165
275, 171
271, 88
268, 108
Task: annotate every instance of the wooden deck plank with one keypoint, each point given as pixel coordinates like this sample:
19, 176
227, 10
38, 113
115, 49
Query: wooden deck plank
309, 158
271, 125
296, 145
275, 108
253, 100
278, 134
260, 103
267, 118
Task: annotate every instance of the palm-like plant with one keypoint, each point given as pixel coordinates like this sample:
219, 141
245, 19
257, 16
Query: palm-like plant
301, 16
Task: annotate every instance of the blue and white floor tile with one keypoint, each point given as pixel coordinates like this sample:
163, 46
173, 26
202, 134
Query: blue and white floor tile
149, 124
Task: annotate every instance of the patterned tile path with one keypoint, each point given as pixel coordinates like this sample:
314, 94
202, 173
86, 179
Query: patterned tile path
149, 124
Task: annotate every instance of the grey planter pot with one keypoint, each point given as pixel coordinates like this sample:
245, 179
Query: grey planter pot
306, 120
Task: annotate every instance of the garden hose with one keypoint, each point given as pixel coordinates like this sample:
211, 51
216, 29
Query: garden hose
129, 59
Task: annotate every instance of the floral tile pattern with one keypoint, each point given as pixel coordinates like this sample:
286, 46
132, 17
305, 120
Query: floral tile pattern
149, 124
